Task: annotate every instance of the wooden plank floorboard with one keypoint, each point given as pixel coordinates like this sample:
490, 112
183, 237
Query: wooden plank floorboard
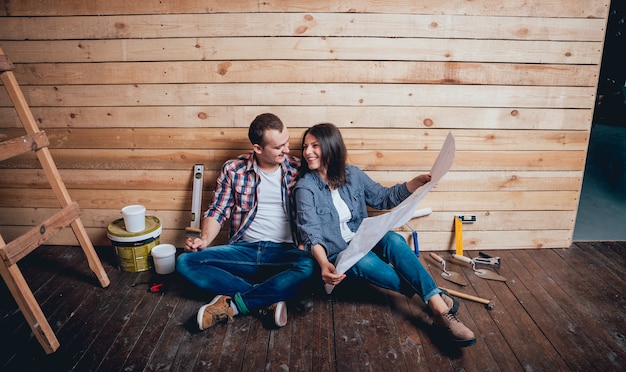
93, 318
554, 322
561, 309
107, 321
578, 281
410, 340
610, 264
604, 297
173, 346
58, 297
582, 312
491, 327
518, 327
473, 315
38, 269
319, 331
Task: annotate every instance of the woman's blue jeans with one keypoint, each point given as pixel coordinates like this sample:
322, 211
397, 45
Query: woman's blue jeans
255, 275
391, 264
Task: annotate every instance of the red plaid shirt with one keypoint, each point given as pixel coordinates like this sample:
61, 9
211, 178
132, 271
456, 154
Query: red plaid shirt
236, 196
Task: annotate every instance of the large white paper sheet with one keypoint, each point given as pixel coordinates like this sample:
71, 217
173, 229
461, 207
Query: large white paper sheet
372, 229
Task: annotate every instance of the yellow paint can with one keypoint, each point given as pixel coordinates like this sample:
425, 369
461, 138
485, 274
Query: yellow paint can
133, 249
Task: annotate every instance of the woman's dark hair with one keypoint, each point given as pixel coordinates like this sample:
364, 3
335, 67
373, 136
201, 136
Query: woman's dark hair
334, 153
260, 125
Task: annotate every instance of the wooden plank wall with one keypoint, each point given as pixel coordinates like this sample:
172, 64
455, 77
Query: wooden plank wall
133, 93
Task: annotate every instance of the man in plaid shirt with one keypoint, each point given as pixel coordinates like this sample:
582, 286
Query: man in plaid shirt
261, 266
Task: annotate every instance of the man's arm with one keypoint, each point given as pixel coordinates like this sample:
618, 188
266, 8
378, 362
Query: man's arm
210, 229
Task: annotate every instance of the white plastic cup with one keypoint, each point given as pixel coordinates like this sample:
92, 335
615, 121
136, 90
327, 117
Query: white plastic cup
164, 257
134, 218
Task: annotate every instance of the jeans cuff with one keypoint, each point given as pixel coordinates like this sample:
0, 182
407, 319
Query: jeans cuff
428, 295
241, 306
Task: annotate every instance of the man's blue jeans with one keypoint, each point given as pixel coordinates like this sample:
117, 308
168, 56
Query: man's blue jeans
405, 275
255, 275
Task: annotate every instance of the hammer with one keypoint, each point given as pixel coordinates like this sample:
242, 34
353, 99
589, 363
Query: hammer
490, 304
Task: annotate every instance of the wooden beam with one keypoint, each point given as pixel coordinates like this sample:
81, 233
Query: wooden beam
24, 144
28, 305
23, 245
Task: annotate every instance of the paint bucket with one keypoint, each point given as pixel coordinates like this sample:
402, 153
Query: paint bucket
133, 249
134, 218
164, 258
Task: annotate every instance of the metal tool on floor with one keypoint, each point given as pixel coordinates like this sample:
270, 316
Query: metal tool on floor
485, 274
489, 304
451, 276
487, 260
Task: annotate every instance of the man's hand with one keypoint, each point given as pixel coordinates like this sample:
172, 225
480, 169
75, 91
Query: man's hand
194, 244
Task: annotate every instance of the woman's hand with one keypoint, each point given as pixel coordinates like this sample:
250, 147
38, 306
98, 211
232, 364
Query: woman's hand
329, 274
328, 270
418, 182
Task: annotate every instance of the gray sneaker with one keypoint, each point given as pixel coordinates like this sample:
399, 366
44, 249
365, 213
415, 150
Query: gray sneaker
457, 331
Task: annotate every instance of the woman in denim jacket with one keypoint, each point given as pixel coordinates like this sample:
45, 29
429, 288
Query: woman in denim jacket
332, 200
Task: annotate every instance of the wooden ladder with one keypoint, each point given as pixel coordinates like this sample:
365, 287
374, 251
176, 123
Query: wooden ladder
69, 215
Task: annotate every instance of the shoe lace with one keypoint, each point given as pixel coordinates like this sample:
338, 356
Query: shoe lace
450, 319
218, 315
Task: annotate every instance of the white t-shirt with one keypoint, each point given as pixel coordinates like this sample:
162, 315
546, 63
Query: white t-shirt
344, 215
271, 222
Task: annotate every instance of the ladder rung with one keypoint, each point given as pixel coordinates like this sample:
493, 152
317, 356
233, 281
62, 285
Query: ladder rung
21, 246
18, 146
5, 63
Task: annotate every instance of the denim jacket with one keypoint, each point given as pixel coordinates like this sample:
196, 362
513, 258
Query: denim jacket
317, 219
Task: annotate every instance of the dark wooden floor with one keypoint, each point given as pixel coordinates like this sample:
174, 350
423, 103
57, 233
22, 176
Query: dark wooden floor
561, 309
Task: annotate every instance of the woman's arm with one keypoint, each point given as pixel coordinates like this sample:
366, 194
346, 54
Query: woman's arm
417, 182
328, 270
381, 197
310, 228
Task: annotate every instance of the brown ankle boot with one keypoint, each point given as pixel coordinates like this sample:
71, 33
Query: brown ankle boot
458, 332
216, 311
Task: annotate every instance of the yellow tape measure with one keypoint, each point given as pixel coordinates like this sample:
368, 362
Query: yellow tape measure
458, 235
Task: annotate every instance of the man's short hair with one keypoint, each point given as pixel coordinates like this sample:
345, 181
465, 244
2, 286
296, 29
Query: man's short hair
260, 125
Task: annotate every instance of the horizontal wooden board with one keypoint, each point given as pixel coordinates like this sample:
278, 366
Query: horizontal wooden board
364, 117
429, 241
357, 95
380, 139
302, 24
298, 71
493, 220
122, 179
366, 159
307, 48
536, 8
181, 199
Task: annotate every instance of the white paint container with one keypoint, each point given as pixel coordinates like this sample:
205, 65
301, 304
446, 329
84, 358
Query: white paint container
134, 218
164, 258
